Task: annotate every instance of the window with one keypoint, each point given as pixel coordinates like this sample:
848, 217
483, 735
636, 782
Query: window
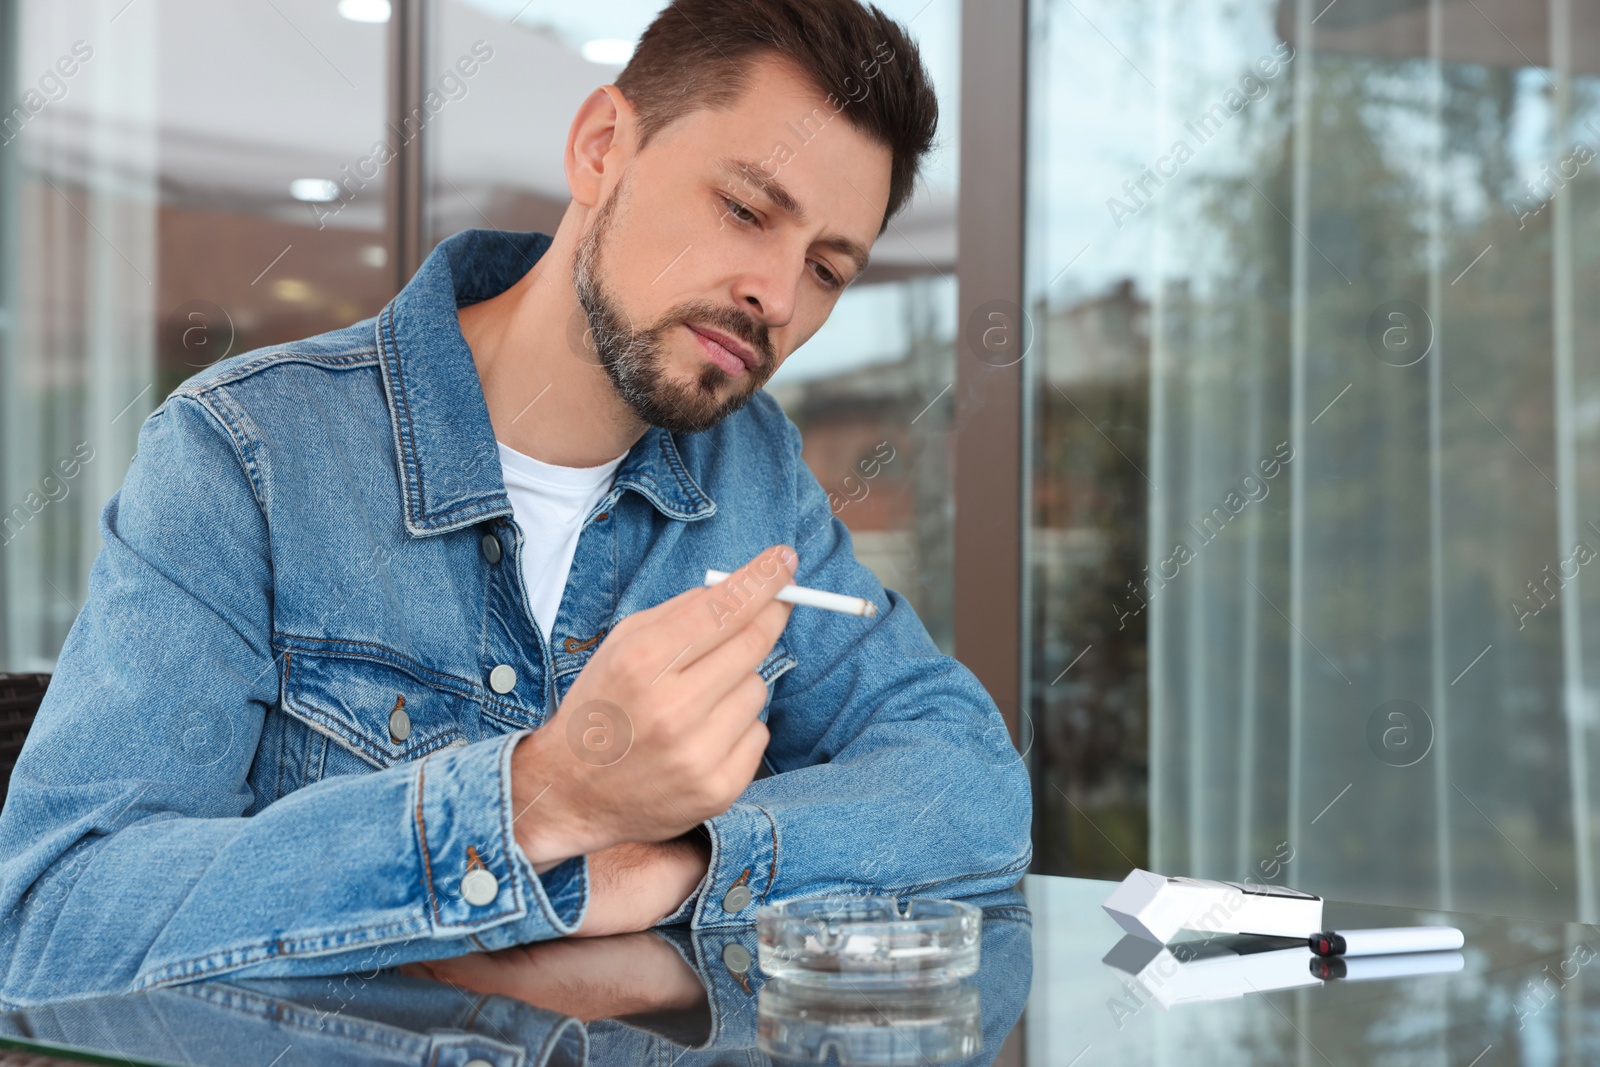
178, 182
1314, 463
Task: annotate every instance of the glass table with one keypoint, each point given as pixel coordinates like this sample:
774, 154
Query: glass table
1059, 984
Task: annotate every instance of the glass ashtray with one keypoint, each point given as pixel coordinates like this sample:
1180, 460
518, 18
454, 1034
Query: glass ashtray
855, 940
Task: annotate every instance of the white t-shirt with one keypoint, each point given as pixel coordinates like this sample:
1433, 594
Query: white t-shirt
550, 504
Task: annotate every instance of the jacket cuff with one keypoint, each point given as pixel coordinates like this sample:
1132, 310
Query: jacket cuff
476, 877
743, 868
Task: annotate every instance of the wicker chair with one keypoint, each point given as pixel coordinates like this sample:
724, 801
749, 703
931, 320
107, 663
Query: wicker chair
20, 695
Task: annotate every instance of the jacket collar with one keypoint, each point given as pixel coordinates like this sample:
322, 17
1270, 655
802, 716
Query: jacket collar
449, 464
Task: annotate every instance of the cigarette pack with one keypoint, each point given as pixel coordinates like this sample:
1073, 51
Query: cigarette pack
1155, 907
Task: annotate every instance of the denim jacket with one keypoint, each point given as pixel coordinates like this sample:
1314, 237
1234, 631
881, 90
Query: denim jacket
272, 746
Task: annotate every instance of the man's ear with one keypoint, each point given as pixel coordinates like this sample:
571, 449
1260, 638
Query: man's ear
602, 131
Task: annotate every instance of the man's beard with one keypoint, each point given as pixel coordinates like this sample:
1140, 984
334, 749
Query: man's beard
634, 360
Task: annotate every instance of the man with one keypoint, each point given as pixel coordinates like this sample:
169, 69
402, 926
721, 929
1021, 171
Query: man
396, 648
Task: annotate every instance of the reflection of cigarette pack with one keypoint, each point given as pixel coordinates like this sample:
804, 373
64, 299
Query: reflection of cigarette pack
1156, 907
1212, 970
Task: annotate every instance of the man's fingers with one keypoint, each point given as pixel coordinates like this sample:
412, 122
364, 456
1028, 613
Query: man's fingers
732, 716
717, 671
709, 617
735, 600
748, 750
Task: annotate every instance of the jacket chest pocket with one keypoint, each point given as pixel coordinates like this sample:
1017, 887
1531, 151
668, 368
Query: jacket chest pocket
374, 711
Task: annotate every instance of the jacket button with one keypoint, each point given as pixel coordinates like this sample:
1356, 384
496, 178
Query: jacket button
736, 958
399, 725
503, 679
738, 899
491, 547
479, 887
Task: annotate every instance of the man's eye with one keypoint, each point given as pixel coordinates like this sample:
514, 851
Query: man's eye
734, 209
827, 277
745, 215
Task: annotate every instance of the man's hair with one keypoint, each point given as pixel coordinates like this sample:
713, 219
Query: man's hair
699, 54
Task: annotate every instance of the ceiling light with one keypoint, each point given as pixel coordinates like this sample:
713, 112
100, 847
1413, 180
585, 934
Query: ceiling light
608, 50
314, 190
365, 10
291, 291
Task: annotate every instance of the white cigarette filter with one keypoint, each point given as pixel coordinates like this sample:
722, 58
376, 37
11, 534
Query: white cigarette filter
800, 596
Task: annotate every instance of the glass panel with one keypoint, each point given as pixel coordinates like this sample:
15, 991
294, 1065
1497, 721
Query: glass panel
1310, 465
870, 390
179, 181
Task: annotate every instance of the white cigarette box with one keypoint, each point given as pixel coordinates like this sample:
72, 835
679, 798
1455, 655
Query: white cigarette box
1155, 907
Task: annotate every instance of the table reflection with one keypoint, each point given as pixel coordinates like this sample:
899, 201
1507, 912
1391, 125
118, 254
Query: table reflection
664, 996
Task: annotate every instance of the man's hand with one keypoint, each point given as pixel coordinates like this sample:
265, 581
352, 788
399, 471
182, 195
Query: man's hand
634, 886
662, 729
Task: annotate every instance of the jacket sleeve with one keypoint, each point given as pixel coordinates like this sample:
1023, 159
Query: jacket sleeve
895, 772
126, 858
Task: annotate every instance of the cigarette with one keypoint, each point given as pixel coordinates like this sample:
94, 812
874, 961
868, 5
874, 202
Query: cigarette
812, 598
1394, 939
